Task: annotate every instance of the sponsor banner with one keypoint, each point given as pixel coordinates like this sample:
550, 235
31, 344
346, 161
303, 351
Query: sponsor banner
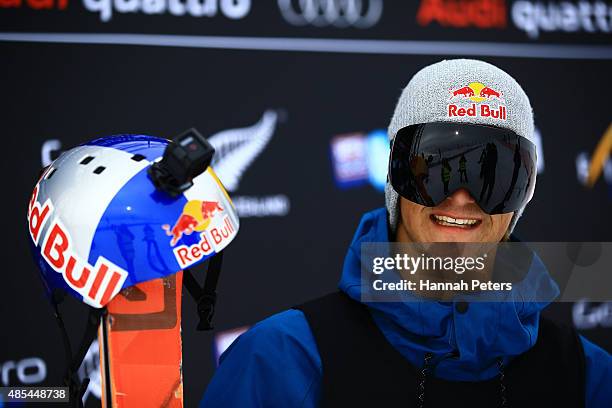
262, 206
332, 13
590, 169
537, 18
579, 22
26, 371
302, 197
521, 20
360, 158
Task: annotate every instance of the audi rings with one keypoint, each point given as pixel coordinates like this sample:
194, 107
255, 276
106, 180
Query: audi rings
337, 13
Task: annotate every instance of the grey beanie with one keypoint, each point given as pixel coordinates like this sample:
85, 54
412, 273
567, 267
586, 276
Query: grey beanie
438, 92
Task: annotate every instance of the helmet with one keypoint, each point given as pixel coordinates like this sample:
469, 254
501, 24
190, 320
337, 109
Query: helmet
99, 223
130, 214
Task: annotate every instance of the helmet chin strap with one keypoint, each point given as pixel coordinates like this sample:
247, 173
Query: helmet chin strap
76, 387
205, 297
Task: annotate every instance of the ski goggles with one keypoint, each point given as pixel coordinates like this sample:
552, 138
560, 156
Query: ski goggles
431, 161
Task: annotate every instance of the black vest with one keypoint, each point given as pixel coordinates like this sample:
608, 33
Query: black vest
362, 369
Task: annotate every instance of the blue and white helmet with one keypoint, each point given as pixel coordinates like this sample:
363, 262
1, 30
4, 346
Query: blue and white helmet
98, 223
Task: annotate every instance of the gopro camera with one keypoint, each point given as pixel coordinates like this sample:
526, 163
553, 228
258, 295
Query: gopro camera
186, 156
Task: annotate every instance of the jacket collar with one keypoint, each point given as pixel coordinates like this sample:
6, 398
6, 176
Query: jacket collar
479, 336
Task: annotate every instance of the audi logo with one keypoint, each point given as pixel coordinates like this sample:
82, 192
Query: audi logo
337, 13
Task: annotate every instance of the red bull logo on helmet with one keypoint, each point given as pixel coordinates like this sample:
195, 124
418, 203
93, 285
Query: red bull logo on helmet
99, 283
196, 216
208, 218
478, 93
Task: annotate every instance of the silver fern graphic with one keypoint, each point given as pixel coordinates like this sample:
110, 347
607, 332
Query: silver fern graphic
237, 148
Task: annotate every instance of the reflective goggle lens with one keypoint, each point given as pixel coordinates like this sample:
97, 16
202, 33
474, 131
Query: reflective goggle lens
496, 166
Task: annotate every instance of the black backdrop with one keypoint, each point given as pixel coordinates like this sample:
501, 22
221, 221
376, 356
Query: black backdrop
72, 92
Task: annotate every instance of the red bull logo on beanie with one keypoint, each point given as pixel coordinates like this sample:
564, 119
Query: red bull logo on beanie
200, 216
478, 93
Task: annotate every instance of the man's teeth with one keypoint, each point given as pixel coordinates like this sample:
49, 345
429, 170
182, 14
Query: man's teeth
444, 220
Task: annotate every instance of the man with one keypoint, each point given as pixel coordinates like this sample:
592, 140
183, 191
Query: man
337, 351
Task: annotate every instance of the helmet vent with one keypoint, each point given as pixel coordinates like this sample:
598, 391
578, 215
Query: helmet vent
50, 173
99, 169
137, 157
86, 159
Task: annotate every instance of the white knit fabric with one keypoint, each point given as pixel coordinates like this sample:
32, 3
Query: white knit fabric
427, 96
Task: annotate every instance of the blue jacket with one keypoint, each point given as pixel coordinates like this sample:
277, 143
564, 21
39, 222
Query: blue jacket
276, 362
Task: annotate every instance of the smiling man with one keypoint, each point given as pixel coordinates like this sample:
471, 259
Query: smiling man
462, 169
456, 219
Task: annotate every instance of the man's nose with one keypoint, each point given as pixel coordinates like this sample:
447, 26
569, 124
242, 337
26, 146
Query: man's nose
461, 197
